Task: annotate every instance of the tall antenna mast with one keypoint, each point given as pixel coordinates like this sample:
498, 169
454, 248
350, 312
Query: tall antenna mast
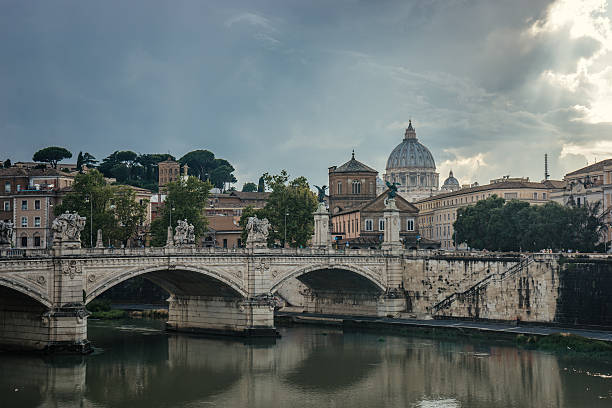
546, 175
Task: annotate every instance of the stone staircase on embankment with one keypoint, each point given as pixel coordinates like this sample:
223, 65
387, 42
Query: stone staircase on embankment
480, 285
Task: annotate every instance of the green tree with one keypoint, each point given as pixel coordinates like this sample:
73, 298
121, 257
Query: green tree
51, 155
204, 165
136, 170
261, 185
129, 213
91, 198
186, 199
472, 224
79, 163
89, 160
513, 226
200, 162
221, 175
249, 187
289, 209
113, 209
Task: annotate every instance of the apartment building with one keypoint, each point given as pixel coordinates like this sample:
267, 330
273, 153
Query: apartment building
589, 185
438, 213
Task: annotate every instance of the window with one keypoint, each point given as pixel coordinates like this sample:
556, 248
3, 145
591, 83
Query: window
510, 196
381, 224
24, 204
24, 221
369, 225
356, 187
225, 243
37, 204
543, 196
239, 242
7, 206
37, 221
24, 241
339, 187
37, 241
7, 187
410, 224
535, 196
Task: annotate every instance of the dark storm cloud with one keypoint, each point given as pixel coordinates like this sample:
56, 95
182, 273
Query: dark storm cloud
296, 85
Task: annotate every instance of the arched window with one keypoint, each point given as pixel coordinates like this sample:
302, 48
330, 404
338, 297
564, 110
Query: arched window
339, 187
356, 187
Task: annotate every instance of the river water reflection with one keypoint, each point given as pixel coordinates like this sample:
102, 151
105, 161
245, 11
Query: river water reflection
140, 365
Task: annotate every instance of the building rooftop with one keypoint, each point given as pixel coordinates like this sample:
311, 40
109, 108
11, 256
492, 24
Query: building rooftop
250, 195
599, 166
352, 166
486, 187
25, 172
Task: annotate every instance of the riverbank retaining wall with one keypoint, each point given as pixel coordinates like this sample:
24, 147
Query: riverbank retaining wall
547, 289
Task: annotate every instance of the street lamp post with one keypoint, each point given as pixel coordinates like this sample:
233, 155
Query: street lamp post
171, 208
285, 240
89, 200
48, 224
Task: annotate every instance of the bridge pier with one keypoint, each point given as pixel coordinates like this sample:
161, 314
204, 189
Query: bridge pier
27, 325
222, 315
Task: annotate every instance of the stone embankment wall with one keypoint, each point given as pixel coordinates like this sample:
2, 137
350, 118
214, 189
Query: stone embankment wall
430, 280
539, 289
585, 292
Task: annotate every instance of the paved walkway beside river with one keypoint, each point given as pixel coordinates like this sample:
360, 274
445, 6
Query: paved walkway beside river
483, 327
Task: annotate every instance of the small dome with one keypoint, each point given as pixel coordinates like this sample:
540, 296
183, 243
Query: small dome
451, 183
411, 153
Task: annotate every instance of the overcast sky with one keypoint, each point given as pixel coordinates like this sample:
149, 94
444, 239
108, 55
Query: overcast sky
490, 85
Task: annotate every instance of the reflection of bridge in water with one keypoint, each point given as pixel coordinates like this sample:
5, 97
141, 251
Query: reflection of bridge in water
305, 368
43, 294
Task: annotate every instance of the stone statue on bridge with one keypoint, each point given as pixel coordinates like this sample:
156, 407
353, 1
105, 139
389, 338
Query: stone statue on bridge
6, 233
321, 194
67, 230
392, 189
257, 232
184, 234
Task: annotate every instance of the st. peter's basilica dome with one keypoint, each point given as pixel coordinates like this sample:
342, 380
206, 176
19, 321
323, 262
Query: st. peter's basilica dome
413, 167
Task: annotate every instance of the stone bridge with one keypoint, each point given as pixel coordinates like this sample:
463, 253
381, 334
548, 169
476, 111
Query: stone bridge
44, 293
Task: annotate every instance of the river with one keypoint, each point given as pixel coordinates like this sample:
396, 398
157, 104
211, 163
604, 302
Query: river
137, 364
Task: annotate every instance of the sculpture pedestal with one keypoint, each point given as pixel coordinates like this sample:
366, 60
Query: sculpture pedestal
321, 237
391, 241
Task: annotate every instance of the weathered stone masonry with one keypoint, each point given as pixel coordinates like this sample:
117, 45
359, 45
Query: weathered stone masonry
43, 294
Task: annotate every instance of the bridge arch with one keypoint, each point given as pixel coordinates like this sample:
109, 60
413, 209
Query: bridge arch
176, 279
26, 288
302, 271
